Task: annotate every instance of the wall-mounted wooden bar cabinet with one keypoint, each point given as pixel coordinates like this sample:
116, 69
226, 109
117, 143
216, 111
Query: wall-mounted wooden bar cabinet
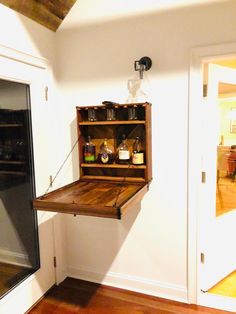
106, 189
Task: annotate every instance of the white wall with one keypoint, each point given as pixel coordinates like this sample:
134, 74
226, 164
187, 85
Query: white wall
21, 33
147, 250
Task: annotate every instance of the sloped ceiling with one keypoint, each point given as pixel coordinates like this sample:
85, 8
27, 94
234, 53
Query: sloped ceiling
49, 13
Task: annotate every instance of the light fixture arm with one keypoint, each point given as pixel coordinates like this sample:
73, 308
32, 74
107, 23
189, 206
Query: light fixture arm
144, 64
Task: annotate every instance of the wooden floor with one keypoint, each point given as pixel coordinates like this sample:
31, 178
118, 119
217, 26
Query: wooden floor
226, 287
74, 296
10, 275
225, 195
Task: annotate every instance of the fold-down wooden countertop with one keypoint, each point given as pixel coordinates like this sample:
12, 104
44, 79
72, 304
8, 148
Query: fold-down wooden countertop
96, 198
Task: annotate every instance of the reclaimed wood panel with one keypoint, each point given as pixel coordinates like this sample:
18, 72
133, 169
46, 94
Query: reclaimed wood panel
49, 13
100, 199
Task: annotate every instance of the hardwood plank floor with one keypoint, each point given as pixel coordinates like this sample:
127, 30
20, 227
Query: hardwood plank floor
225, 196
75, 296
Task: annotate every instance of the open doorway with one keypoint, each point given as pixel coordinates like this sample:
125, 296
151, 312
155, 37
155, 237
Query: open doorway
216, 263
209, 244
224, 212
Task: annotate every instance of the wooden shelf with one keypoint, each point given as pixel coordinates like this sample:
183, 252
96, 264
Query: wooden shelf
12, 162
15, 173
11, 125
100, 199
112, 178
117, 166
115, 122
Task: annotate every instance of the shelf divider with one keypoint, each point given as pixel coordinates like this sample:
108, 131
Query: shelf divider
112, 178
118, 166
116, 122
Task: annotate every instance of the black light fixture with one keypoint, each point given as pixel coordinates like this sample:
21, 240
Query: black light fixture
144, 64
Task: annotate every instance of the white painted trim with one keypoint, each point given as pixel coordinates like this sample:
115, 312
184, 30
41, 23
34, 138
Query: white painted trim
23, 57
19, 293
227, 99
59, 247
133, 283
218, 302
15, 258
198, 56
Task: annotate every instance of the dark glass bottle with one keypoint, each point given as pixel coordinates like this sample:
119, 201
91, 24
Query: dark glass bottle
89, 151
106, 153
123, 153
137, 153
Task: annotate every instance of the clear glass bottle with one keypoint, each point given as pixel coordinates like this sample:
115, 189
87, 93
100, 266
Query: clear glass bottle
123, 153
137, 153
106, 153
89, 151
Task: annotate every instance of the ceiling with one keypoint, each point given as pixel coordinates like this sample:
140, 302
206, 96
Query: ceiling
49, 13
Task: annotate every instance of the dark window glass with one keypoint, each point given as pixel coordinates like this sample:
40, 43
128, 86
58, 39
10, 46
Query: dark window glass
19, 255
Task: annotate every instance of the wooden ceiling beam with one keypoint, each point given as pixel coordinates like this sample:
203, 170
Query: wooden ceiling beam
49, 13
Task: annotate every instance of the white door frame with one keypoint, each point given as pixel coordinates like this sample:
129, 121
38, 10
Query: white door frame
199, 56
21, 67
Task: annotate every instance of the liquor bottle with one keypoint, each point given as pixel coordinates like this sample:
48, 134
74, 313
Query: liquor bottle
89, 151
137, 153
123, 154
106, 153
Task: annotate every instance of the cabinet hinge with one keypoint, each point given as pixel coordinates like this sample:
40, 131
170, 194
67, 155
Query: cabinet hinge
46, 93
54, 261
205, 87
202, 258
50, 181
203, 177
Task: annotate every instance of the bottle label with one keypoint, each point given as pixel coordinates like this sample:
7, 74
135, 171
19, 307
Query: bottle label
123, 154
89, 157
104, 158
138, 159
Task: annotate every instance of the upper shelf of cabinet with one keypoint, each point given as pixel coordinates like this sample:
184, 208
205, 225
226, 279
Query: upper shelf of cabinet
11, 125
112, 122
11, 118
114, 114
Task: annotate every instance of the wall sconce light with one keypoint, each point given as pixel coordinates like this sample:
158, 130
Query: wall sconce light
144, 64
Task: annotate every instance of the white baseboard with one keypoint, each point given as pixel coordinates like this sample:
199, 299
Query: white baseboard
219, 302
15, 258
133, 283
